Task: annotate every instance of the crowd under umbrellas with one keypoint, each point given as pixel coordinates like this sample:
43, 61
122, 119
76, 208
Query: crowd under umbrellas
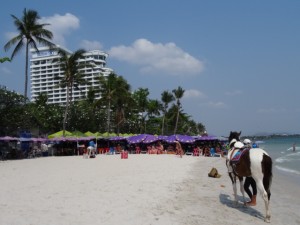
76, 143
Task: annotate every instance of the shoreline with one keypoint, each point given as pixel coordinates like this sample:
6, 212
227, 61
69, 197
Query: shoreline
143, 189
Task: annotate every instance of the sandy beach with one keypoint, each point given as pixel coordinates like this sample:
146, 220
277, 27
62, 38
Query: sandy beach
143, 189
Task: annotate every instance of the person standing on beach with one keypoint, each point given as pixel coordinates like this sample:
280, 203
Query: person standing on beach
179, 150
249, 181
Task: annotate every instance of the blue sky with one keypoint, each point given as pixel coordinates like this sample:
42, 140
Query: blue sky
238, 61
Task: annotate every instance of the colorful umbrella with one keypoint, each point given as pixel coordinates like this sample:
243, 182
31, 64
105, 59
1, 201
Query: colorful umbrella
60, 134
8, 138
181, 138
136, 138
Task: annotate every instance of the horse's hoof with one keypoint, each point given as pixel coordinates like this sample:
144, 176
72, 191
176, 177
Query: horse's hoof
268, 220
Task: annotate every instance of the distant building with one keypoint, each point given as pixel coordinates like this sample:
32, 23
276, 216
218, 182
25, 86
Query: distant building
43, 71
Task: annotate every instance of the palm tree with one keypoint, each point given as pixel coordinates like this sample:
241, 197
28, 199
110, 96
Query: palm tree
109, 86
31, 32
140, 96
178, 94
166, 98
123, 101
73, 76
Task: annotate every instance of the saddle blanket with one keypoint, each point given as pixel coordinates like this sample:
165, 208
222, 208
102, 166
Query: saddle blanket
236, 157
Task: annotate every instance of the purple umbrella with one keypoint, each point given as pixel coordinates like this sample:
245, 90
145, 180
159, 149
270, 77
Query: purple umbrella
150, 138
181, 138
8, 138
117, 138
207, 138
171, 139
185, 138
39, 139
58, 139
136, 139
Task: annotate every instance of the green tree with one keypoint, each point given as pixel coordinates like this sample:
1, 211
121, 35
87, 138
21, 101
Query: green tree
154, 108
122, 101
166, 98
110, 87
13, 114
140, 97
30, 32
178, 94
73, 76
45, 116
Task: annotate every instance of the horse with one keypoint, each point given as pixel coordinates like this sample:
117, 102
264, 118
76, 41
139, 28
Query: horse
253, 162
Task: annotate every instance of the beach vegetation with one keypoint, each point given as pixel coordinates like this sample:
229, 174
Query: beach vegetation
73, 76
178, 94
42, 118
166, 98
30, 33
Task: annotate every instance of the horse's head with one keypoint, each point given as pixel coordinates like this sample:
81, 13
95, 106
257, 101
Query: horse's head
234, 135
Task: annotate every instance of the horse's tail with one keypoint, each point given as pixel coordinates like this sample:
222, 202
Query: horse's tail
267, 171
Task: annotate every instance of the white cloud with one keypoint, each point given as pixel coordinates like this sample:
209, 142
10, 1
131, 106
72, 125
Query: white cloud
158, 57
192, 93
91, 45
61, 26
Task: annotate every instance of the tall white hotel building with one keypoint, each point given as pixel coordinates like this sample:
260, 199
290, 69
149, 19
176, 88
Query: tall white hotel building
43, 71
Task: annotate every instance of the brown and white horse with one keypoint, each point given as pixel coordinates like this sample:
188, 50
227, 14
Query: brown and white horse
254, 162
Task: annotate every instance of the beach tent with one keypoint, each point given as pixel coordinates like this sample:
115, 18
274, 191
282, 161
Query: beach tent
78, 134
107, 135
60, 134
89, 134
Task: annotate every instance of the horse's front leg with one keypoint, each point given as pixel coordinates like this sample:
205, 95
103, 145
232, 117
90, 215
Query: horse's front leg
242, 188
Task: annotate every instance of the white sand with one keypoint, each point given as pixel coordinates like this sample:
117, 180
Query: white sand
143, 189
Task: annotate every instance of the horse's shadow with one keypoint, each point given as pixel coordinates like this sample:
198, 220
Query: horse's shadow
225, 200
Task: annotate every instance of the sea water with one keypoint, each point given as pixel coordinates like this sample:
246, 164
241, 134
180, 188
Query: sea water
281, 150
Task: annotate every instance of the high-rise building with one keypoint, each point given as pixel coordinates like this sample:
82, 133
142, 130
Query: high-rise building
44, 68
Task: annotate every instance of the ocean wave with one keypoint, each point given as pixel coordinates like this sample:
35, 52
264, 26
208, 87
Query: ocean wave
291, 149
289, 157
288, 170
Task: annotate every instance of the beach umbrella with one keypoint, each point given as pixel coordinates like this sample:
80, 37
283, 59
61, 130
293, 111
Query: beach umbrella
39, 139
58, 139
108, 135
180, 138
89, 134
150, 138
207, 138
117, 138
60, 134
78, 134
136, 138
185, 138
8, 138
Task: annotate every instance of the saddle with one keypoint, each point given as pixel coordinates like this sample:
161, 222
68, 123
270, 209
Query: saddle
235, 158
